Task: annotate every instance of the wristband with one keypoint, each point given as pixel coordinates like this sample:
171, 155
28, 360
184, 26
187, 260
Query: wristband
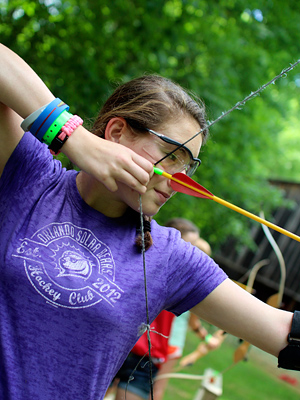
47, 110
289, 357
50, 119
26, 124
47, 117
57, 143
64, 134
71, 125
56, 126
207, 338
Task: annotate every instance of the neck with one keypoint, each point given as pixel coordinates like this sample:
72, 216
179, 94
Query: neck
97, 196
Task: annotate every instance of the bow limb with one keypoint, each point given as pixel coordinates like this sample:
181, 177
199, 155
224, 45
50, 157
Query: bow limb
241, 352
253, 272
177, 375
276, 299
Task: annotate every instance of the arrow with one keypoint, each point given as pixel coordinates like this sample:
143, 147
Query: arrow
184, 184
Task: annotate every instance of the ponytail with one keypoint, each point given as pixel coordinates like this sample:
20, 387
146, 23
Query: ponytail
147, 234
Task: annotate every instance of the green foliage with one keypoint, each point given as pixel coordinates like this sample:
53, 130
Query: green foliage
219, 50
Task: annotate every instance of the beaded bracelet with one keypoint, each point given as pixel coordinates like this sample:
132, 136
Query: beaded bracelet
65, 132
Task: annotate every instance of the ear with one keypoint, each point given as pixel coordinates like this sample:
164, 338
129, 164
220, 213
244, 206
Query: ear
115, 128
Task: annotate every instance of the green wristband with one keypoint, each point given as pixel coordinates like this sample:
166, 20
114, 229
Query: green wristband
207, 338
56, 126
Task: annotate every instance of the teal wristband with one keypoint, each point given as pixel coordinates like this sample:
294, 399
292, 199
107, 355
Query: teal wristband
56, 126
207, 338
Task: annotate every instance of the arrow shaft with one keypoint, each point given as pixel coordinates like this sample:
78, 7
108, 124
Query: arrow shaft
256, 218
233, 207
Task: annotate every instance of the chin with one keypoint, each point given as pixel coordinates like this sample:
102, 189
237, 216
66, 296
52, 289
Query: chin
149, 211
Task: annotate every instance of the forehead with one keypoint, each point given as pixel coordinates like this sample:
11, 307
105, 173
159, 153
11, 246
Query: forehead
182, 129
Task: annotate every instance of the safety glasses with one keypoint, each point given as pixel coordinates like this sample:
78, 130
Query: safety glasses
175, 157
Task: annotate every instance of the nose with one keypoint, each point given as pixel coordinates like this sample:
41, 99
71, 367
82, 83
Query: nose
171, 191
167, 183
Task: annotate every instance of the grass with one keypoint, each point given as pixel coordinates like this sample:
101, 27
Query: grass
257, 378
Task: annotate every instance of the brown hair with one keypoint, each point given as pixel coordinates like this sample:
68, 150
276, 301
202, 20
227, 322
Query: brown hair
183, 225
186, 226
148, 102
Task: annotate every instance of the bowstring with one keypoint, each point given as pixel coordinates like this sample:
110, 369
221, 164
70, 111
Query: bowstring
239, 104
146, 297
236, 106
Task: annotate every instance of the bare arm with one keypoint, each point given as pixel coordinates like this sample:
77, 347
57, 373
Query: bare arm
22, 92
237, 312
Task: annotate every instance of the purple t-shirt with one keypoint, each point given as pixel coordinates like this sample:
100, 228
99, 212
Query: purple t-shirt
72, 295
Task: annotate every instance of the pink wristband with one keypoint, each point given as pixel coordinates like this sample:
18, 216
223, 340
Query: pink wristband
65, 132
71, 125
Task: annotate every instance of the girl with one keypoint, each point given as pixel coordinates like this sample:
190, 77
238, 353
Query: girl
72, 299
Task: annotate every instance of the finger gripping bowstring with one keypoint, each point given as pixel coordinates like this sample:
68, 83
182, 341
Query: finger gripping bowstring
210, 123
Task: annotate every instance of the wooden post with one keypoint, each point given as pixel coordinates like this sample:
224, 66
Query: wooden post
212, 386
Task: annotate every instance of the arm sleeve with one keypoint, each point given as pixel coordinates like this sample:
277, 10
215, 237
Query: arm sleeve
30, 168
192, 275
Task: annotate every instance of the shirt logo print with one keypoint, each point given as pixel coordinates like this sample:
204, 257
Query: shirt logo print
69, 266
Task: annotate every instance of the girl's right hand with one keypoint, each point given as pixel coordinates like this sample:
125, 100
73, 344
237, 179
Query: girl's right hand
108, 162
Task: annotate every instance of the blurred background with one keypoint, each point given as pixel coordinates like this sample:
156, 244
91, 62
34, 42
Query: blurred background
219, 50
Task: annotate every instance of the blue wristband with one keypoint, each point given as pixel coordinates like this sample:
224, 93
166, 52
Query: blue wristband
47, 110
50, 119
47, 117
